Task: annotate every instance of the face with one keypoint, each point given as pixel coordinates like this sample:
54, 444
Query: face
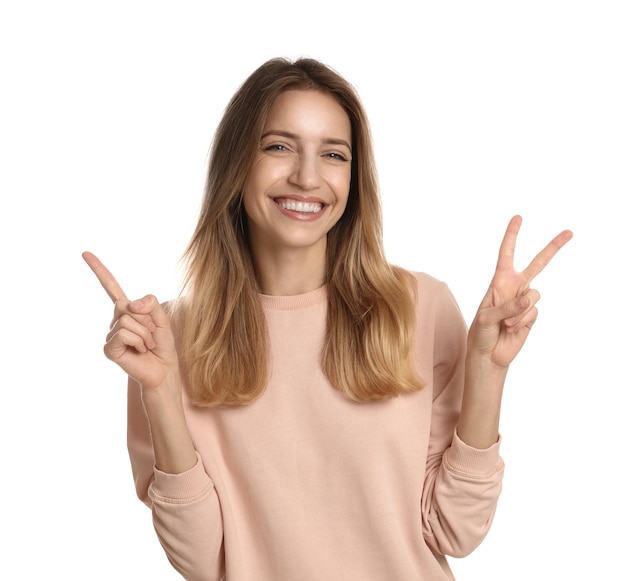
298, 186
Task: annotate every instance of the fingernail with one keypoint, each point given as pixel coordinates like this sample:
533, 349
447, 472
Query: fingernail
137, 304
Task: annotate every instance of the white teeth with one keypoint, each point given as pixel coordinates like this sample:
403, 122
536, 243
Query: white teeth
303, 207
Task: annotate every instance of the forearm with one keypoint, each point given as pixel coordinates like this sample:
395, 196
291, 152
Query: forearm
173, 447
188, 521
482, 398
185, 507
460, 498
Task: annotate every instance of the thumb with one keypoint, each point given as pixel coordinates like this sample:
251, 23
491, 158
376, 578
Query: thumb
149, 305
513, 308
490, 316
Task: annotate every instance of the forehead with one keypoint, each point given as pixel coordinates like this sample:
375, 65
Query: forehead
309, 110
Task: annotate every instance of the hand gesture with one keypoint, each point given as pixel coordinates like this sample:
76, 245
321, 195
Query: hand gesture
508, 311
140, 339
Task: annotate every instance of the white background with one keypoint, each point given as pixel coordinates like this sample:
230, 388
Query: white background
480, 110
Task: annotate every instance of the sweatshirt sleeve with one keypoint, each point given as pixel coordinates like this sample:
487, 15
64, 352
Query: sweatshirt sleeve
185, 508
462, 484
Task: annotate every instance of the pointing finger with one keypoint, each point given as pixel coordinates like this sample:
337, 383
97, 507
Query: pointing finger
507, 248
107, 280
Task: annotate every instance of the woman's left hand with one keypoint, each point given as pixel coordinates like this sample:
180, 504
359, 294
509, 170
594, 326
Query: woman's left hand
508, 311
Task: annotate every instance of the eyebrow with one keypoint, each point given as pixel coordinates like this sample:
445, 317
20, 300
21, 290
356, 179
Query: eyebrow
289, 135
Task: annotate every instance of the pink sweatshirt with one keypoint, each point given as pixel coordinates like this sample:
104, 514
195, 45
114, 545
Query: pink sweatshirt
304, 485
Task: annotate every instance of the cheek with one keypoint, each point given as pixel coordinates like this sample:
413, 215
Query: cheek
253, 190
251, 201
342, 189
264, 174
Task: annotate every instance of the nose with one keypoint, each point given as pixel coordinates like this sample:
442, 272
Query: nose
306, 172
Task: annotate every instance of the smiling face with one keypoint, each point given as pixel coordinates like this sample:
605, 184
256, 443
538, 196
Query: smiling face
298, 186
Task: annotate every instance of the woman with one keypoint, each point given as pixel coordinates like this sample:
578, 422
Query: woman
306, 410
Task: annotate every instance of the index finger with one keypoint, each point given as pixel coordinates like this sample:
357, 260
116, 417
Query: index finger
107, 280
507, 247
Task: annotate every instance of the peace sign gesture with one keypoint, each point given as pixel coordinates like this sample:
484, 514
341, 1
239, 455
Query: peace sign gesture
508, 310
140, 338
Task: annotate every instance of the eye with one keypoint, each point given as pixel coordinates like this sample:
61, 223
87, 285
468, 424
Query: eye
337, 156
276, 147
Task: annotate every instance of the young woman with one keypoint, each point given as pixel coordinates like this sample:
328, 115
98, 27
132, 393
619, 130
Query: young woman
305, 410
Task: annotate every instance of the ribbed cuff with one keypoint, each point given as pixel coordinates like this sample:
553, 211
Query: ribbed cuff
181, 487
473, 462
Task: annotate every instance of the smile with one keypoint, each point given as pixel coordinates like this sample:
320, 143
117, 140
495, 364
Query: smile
300, 207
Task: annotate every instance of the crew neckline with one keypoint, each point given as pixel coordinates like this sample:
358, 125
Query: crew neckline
291, 302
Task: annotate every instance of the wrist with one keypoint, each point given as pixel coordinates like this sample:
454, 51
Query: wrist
482, 365
168, 394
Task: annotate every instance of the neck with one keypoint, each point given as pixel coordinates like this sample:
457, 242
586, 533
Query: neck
290, 271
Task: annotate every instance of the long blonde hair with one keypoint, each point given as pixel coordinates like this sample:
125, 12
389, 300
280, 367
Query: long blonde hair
371, 314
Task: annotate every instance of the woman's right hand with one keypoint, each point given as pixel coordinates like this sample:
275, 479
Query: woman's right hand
140, 339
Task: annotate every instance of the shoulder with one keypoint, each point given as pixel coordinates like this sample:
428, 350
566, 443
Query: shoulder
426, 280
172, 308
175, 309
434, 298
430, 288
428, 292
